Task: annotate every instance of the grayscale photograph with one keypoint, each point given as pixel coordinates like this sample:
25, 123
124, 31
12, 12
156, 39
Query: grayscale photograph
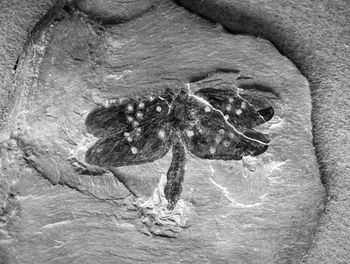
174, 132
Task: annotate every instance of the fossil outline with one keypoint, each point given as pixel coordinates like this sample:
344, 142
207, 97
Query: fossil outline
211, 123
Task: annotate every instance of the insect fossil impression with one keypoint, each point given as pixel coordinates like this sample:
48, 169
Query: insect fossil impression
211, 123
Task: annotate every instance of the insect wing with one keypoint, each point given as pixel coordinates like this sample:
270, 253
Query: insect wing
215, 138
240, 110
114, 119
129, 135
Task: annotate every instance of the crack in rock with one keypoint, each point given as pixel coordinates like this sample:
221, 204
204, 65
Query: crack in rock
227, 194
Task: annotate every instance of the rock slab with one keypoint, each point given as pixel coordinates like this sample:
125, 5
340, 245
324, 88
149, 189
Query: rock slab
260, 209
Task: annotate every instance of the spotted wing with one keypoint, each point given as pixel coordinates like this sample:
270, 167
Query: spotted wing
243, 111
213, 137
131, 132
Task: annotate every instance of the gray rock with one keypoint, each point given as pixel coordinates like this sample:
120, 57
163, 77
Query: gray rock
109, 11
260, 209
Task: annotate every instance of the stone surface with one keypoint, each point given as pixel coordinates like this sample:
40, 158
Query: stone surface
325, 24
112, 11
256, 210
315, 36
17, 18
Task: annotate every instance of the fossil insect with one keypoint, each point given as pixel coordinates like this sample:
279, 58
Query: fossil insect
211, 123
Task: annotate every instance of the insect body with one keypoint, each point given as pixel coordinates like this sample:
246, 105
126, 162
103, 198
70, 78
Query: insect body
210, 123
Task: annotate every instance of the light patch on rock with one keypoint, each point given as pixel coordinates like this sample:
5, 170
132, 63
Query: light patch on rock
265, 166
54, 225
276, 124
83, 145
116, 76
155, 216
4, 137
227, 194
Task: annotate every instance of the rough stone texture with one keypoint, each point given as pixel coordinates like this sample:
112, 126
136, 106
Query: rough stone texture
317, 28
112, 11
17, 18
258, 210
315, 36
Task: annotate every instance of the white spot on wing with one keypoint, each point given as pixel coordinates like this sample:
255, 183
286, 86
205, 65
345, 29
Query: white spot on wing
189, 133
218, 139
134, 150
139, 115
226, 143
141, 105
226, 117
130, 108
158, 109
161, 134
207, 109
212, 150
